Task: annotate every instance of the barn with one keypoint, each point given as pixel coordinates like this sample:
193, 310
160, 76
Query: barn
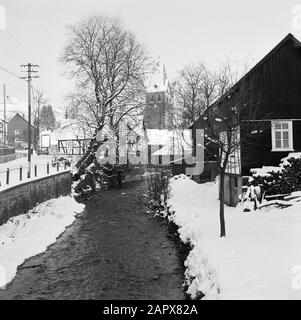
269, 97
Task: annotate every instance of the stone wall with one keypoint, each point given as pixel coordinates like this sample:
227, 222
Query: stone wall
6, 151
7, 154
8, 158
21, 198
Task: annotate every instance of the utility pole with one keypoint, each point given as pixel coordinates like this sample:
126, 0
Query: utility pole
4, 124
28, 78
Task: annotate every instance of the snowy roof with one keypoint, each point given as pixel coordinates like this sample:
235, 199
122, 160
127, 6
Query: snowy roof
69, 129
172, 141
157, 136
158, 81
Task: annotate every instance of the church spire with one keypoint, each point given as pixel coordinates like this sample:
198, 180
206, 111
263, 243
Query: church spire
164, 75
158, 81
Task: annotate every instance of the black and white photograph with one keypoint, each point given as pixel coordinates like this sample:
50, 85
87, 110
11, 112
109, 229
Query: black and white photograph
150, 151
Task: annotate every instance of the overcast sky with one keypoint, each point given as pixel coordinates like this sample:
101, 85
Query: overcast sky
177, 31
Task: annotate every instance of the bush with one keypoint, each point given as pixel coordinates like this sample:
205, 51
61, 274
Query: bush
285, 182
98, 176
158, 190
292, 174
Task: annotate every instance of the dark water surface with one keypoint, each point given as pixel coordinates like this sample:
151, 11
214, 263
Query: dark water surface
114, 250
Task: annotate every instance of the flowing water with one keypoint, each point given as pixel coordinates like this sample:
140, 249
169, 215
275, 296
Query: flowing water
114, 250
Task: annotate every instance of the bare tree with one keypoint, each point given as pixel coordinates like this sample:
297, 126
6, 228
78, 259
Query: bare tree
39, 100
229, 123
222, 125
195, 91
108, 66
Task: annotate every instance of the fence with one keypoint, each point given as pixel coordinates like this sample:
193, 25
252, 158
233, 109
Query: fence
14, 176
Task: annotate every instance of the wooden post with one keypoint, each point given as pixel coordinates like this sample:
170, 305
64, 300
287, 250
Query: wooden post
4, 123
21, 173
7, 176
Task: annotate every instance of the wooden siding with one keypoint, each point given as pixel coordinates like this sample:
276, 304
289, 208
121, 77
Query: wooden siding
271, 90
257, 152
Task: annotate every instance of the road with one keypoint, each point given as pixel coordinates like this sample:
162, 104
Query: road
114, 250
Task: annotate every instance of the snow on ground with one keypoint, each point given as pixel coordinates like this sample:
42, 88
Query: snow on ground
30, 234
14, 166
260, 257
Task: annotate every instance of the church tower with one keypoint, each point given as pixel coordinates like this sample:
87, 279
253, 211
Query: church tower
158, 110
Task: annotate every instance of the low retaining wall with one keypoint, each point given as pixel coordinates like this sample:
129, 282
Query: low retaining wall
8, 158
21, 198
7, 151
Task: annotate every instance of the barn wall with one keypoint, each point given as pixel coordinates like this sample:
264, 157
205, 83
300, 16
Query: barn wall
257, 152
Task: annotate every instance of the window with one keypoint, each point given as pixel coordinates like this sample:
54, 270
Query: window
282, 136
17, 132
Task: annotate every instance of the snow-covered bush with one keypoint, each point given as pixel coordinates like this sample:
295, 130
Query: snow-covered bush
279, 180
292, 173
158, 190
271, 183
97, 176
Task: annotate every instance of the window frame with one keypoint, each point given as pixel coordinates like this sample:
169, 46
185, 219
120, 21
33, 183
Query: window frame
281, 130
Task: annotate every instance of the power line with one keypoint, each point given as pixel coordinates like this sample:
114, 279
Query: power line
9, 72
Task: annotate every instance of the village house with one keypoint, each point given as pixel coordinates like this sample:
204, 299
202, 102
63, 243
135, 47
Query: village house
17, 132
269, 99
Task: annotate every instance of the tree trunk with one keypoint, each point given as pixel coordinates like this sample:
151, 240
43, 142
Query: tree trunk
222, 203
89, 156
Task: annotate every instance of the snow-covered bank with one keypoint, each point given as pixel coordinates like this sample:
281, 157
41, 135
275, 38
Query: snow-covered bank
259, 259
30, 234
14, 170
